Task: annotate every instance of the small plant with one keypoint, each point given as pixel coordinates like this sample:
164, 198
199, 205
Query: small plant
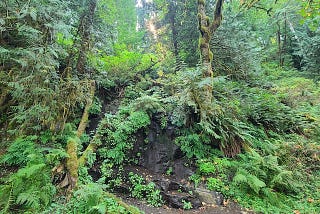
141, 190
186, 205
193, 145
215, 184
196, 179
207, 168
169, 171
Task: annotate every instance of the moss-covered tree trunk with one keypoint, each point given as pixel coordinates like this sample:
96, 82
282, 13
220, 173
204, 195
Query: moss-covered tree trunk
207, 28
85, 30
72, 163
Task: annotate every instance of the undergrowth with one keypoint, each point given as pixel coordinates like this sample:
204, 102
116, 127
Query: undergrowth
277, 171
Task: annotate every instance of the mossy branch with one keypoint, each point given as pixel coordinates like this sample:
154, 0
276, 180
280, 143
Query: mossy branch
85, 116
72, 163
91, 148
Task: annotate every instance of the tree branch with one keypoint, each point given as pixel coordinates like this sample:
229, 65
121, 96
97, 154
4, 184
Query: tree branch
217, 16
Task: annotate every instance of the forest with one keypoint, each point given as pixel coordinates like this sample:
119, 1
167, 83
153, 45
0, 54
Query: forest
159, 106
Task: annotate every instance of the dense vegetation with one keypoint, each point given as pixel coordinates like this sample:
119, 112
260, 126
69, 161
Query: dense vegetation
82, 82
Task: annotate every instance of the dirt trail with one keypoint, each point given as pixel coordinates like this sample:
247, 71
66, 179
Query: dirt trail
230, 208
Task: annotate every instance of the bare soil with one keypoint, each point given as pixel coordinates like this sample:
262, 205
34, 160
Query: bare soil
229, 208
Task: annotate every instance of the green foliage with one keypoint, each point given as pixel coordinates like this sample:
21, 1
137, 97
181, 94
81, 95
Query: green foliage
186, 205
40, 92
19, 152
96, 106
271, 117
123, 67
264, 109
119, 134
149, 104
235, 47
266, 172
29, 188
141, 190
193, 145
91, 198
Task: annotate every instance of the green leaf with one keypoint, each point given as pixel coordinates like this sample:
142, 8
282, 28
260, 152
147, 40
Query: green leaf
255, 183
240, 178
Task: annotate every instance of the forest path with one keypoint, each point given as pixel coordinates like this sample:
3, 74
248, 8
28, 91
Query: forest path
230, 208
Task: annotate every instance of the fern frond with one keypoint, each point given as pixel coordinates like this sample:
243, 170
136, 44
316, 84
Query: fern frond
29, 171
9, 190
255, 183
29, 199
100, 208
240, 178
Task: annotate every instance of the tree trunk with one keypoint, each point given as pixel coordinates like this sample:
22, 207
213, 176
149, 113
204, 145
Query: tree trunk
85, 28
172, 17
206, 30
279, 44
204, 40
284, 44
72, 163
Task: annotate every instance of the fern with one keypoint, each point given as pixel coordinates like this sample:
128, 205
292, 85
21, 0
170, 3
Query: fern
240, 178
19, 151
255, 183
29, 199
30, 187
149, 104
100, 208
244, 177
7, 198
92, 198
120, 134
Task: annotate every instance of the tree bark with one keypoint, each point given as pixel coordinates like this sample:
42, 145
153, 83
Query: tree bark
72, 162
207, 29
172, 17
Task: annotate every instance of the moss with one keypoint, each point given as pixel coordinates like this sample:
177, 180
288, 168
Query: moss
202, 42
205, 30
207, 19
199, 16
90, 149
210, 56
72, 161
85, 116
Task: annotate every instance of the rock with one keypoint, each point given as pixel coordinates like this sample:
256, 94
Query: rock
177, 199
160, 150
180, 171
163, 184
176, 194
209, 197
